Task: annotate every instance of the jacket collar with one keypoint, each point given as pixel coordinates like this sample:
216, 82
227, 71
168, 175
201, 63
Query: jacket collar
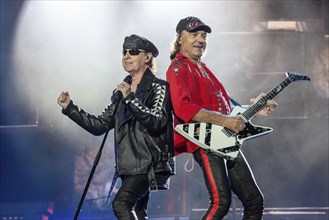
146, 81
181, 56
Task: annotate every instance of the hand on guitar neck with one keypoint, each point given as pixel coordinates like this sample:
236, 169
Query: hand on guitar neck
270, 105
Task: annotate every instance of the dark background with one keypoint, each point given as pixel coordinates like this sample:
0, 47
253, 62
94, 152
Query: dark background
38, 165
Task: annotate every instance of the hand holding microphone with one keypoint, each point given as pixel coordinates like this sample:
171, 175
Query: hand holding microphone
124, 88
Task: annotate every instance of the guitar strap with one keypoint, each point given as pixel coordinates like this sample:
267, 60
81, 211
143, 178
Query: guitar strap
234, 102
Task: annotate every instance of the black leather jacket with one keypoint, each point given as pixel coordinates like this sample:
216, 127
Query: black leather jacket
143, 128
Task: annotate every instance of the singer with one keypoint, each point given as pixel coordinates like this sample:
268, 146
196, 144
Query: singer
141, 116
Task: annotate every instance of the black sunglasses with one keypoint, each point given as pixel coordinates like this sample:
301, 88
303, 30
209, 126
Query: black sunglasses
132, 52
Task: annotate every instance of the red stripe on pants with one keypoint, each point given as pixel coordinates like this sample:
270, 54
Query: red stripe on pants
212, 184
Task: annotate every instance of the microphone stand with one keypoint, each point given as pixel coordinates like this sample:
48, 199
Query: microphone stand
98, 156
117, 98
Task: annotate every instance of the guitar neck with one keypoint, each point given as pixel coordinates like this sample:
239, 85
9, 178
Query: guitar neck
257, 106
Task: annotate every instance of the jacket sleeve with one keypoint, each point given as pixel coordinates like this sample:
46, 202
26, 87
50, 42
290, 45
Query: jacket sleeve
178, 75
96, 125
155, 117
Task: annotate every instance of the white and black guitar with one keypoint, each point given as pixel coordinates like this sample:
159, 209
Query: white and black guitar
225, 142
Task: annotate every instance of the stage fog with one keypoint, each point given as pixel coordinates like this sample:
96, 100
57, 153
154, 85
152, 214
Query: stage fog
76, 46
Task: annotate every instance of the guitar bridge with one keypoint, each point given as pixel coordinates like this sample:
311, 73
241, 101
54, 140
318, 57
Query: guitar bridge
228, 132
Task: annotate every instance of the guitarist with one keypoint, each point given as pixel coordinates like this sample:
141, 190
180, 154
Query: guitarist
198, 96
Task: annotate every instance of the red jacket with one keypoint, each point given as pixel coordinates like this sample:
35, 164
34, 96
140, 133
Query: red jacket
191, 90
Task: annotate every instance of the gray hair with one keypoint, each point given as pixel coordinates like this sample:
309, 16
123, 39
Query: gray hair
152, 65
175, 46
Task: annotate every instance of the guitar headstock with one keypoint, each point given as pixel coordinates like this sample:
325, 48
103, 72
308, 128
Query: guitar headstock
297, 76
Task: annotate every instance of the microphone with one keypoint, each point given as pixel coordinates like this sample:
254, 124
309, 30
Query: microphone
117, 94
128, 79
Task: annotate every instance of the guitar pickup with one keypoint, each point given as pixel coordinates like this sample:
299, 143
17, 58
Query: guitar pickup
229, 149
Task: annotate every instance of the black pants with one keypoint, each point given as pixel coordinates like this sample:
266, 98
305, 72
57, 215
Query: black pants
221, 178
131, 200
